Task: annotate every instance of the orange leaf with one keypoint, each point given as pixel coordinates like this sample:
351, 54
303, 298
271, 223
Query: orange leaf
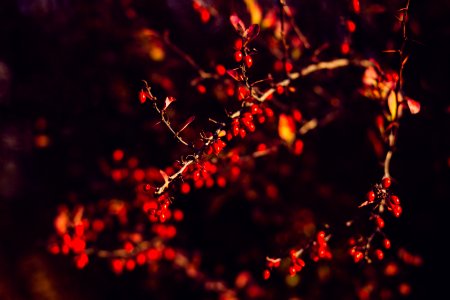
286, 129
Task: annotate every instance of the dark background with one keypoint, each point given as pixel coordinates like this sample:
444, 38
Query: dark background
78, 66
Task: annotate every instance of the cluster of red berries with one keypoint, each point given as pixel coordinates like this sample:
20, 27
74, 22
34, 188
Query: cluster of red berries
201, 175
240, 125
297, 263
137, 257
271, 263
360, 249
240, 54
320, 248
71, 236
158, 210
380, 195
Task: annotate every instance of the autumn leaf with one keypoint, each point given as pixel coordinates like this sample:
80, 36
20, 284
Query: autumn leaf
186, 124
251, 32
237, 24
168, 101
414, 106
255, 11
286, 129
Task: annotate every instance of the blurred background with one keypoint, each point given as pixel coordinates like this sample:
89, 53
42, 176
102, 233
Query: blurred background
70, 72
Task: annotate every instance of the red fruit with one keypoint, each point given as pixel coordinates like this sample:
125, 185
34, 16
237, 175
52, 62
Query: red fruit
238, 56
221, 70
242, 133
142, 96
238, 44
201, 88
248, 61
141, 259
185, 188
371, 196
196, 176
395, 200
397, 210
288, 66
386, 182
297, 115
292, 271
118, 155
293, 254
130, 264
345, 47
243, 93
266, 274
379, 254
78, 245
235, 130
209, 150
117, 266
321, 237
386, 243
254, 109
351, 26
380, 222
81, 260
280, 89
358, 256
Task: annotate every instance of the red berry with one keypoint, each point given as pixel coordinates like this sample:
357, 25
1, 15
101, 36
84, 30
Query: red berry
397, 210
254, 109
379, 254
248, 61
142, 96
81, 260
238, 56
243, 93
238, 44
130, 264
386, 243
380, 222
386, 182
395, 200
266, 274
235, 130
371, 196
196, 176
351, 26
345, 47
141, 259
358, 256
185, 188
321, 237
201, 88
242, 133
221, 70
292, 271
280, 89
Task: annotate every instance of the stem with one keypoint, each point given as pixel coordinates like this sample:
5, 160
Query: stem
281, 4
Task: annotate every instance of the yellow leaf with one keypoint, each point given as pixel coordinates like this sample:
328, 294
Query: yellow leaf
393, 102
286, 129
255, 11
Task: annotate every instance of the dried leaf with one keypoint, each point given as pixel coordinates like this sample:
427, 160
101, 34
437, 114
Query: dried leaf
168, 101
286, 129
237, 24
414, 106
186, 124
251, 32
235, 74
